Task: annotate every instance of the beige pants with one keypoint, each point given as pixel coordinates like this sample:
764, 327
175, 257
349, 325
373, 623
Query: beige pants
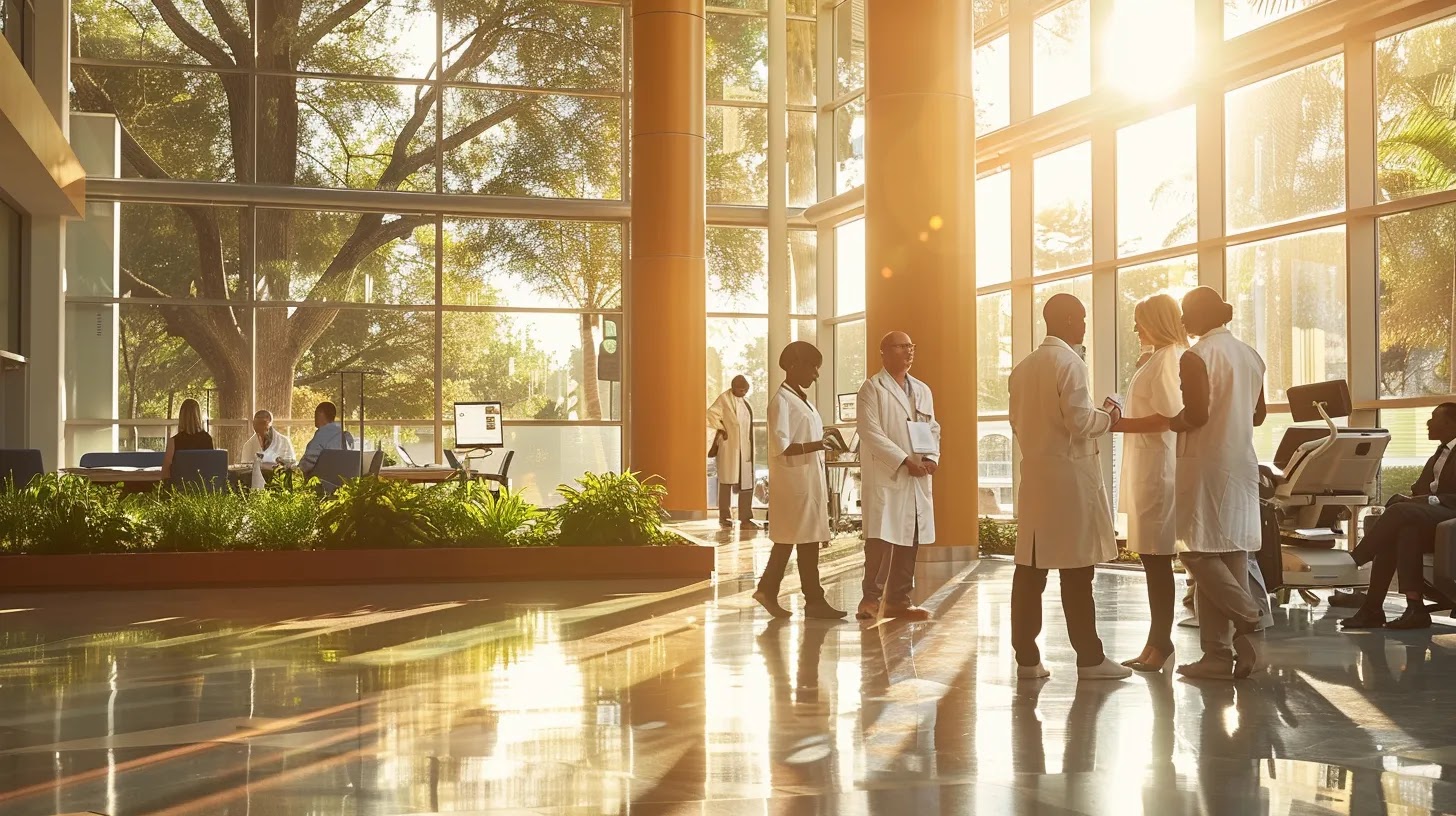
1222, 599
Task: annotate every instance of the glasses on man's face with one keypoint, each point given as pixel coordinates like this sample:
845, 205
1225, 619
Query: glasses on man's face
901, 346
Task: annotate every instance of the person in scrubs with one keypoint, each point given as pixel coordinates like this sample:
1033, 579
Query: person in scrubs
797, 489
1149, 463
731, 420
1217, 485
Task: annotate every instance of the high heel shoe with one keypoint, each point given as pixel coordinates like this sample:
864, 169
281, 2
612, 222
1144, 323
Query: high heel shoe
1152, 665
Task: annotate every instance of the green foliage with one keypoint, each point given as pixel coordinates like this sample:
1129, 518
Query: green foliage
1397, 479
191, 519
58, 514
997, 537
468, 514
373, 513
282, 519
612, 509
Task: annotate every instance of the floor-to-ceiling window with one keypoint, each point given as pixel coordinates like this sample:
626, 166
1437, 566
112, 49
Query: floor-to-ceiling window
430, 192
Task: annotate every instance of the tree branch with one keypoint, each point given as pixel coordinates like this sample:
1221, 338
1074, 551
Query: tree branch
191, 37
332, 21
232, 33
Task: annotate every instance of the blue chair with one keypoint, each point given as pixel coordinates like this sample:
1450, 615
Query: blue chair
205, 468
334, 466
21, 465
136, 459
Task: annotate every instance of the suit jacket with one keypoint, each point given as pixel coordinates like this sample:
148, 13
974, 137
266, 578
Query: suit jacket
1447, 484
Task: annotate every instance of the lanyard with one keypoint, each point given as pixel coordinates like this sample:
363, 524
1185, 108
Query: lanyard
796, 392
909, 397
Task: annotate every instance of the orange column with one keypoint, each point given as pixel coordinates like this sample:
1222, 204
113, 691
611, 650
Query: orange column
920, 223
667, 348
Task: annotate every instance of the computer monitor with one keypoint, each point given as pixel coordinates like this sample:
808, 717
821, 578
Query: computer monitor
479, 425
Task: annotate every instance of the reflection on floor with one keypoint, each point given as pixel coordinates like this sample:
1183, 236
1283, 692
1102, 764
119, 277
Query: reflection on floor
663, 699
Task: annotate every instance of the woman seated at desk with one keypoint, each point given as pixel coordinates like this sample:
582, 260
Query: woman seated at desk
190, 435
272, 445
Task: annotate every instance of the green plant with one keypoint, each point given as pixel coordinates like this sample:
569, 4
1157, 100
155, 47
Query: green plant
469, 514
373, 513
192, 519
282, 519
58, 514
996, 537
611, 509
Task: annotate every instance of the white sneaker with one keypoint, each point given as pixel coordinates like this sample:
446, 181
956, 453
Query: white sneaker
1106, 670
1032, 672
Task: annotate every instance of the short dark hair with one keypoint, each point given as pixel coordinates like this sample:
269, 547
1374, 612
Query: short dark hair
328, 409
799, 352
1449, 408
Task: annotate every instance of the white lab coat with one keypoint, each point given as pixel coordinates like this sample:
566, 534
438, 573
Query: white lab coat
1149, 460
895, 503
733, 416
798, 496
1217, 504
1063, 517
281, 448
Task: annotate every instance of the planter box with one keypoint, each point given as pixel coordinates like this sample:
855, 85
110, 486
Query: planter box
316, 567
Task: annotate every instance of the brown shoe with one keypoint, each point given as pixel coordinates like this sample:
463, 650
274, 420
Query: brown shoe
910, 613
867, 610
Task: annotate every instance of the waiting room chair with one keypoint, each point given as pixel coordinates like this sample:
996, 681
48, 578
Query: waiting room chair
207, 469
335, 466
134, 459
501, 478
376, 461
20, 465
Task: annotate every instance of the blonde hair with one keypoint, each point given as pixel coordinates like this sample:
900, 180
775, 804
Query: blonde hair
1161, 319
189, 418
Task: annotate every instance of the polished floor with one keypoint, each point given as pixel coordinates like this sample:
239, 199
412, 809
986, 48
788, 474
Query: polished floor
666, 699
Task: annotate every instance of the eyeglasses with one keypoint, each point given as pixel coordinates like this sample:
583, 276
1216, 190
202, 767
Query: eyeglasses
906, 346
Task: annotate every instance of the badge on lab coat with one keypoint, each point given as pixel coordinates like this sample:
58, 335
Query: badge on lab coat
922, 441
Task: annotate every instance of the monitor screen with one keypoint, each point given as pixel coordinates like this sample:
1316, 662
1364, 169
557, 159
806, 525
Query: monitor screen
478, 425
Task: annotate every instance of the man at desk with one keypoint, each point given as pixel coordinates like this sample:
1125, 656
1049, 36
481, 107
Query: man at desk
329, 434
266, 441
1406, 531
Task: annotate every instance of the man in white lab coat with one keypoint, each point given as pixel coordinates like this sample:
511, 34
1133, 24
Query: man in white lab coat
899, 449
1064, 520
731, 420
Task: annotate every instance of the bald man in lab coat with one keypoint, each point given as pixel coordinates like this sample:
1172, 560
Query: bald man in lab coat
1064, 520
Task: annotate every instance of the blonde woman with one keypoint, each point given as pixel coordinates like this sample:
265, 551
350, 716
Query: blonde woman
190, 435
1149, 463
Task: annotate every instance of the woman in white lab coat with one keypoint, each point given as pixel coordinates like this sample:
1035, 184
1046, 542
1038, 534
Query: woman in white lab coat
1149, 464
798, 495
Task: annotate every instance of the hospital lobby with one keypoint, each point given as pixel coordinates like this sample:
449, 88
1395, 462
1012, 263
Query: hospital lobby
472, 494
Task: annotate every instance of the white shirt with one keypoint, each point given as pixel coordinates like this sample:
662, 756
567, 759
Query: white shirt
280, 448
1440, 466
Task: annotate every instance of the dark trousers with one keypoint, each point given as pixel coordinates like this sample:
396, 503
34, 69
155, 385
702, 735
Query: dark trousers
778, 561
725, 503
889, 568
1398, 542
1027, 586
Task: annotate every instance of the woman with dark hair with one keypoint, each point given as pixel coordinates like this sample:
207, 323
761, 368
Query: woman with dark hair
190, 435
1217, 497
799, 497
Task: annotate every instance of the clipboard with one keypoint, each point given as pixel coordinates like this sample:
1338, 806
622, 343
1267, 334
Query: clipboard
922, 439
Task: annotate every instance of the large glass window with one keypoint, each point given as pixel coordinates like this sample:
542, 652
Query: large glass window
1415, 96
1149, 46
1289, 303
1157, 186
1417, 294
849, 258
1285, 150
993, 228
993, 353
849, 46
991, 64
1063, 207
1080, 288
1243, 16
849, 135
851, 363
1062, 51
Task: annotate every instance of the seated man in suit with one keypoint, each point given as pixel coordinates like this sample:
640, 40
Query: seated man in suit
1400, 538
329, 434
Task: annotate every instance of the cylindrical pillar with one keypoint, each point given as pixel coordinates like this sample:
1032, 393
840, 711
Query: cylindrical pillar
667, 346
920, 225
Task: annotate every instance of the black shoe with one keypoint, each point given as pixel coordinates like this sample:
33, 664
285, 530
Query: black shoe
1348, 600
1415, 617
1364, 619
